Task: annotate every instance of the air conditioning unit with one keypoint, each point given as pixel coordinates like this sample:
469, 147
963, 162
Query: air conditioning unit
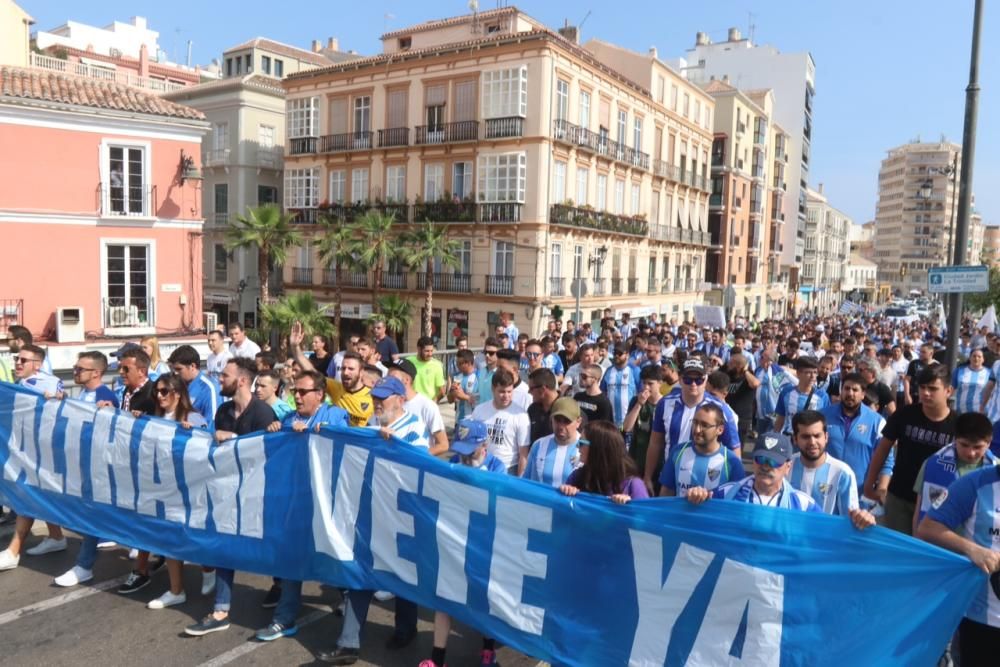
69, 325
211, 321
123, 316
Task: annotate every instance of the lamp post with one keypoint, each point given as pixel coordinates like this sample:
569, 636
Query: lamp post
965, 185
951, 171
597, 258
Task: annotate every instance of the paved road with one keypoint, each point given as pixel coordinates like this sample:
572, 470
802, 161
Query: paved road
41, 624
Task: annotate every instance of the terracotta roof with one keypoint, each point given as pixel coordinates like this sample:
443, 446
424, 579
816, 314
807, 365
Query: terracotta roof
257, 81
45, 86
283, 49
718, 86
454, 20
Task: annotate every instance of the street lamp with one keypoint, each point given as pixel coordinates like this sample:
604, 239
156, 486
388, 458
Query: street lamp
596, 258
951, 171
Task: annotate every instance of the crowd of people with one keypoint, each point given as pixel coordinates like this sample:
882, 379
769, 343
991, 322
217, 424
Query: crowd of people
850, 416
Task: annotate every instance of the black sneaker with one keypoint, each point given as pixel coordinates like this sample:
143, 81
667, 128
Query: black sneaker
7, 517
135, 582
272, 597
398, 641
339, 656
207, 625
157, 565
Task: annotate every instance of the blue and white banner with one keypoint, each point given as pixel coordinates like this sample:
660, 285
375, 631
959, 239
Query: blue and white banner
575, 581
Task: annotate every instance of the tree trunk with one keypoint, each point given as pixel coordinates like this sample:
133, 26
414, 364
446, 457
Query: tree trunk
264, 274
429, 298
338, 297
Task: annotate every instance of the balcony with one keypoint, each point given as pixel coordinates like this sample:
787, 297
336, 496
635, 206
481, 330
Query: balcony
500, 285
329, 278
557, 286
127, 78
459, 283
302, 275
357, 279
219, 220
350, 141
445, 210
633, 285
583, 138
664, 170
666, 286
600, 287
218, 157
128, 312
305, 216
499, 128
779, 184
394, 280
586, 218
302, 145
616, 286
737, 203
11, 314
446, 133
134, 201
653, 286
499, 212
269, 157
394, 136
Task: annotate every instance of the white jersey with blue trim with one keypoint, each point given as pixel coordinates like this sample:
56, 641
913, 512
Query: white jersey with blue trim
791, 401
42, 383
969, 507
993, 406
551, 463
411, 429
969, 387
786, 497
687, 468
832, 485
620, 385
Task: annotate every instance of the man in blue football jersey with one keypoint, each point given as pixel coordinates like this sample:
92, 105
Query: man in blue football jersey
703, 462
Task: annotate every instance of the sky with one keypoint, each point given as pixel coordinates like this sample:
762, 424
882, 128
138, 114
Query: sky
887, 71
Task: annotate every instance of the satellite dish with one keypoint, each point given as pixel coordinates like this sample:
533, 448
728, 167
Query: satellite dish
473, 5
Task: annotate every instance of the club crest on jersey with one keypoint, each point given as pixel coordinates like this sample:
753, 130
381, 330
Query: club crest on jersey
824, 488
938, 496
714, 474
862, 428
364, 405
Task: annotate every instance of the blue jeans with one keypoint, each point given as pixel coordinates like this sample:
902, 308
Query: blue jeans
289, 604
356, 613
88, 553
223, 588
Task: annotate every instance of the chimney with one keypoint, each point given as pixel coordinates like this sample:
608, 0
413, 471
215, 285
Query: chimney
820, 188
570, 32
333, 44
701, 39
734, 35
316, 45
652, 52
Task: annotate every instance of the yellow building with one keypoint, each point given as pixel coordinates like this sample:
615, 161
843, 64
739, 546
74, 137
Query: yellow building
15, 34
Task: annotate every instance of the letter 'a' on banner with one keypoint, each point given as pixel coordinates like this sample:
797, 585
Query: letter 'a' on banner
573, 581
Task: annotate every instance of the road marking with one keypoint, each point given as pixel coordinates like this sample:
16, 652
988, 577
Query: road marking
59, 600
250, 646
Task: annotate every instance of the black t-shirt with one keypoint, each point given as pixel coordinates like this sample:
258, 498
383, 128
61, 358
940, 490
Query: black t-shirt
257, 417
595, 408
740, 398
566, 360
885, 396
917, 439
912, 371
541, 424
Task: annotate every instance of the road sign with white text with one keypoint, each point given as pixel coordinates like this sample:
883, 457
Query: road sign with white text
954, 279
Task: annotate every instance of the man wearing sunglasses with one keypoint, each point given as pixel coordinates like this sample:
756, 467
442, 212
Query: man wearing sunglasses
28, 363
486, 366
620, 383
311, 412
88, 373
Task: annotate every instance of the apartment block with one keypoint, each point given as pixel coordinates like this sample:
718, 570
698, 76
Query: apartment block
554, 165
827, 252
15, 34
991, 246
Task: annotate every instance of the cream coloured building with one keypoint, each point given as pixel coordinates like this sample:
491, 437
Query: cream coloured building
15, 34
827, 250
859, 282
549, 161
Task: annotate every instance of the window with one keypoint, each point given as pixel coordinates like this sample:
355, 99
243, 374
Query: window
577, 261
221, 264
267, 194
582, 178
433, 182
359, 184
362, 114
303, 117
239, 64
660, 87
461, 180
127, 277
673, 97
127, 192
635, 200
697, 111
622, 125
562, 99
302, 188
654, 215
555, 264
559, 183
265, 64
395, 183
279, 68
305, 255
502, 177
620, 197
687, 105
229, 66
505, 93
503, 258
338, 186
405, 43
602, 192
249, 63
265, 136
221, 192
637, 134
584, 110
464, 256
220, 136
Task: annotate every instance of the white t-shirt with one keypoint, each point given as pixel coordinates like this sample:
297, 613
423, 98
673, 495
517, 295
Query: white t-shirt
428, 411
522, 396
248, 350
216, 362
572, 379
509, 430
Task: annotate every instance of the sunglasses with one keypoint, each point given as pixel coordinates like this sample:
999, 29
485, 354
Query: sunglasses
302, 392
80, 369
531, 355
692, 380
764, 460
164, 391
26, 360
533, 387
125, 369
490, 353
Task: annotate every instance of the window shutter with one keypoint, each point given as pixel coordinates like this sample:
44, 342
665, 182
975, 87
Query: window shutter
397, 108
338, 115
436, 95
605, 118
465, 101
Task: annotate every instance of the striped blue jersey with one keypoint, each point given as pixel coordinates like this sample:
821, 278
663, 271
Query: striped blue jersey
620, 385
993, 406
467, 382
969, 387
410, 429
791, 401
42, 383
773, 379
722, 351
205, 395
970, 508
853, 439
787, 497
673, 419
551, 463
688, 468
832, 485
553, 363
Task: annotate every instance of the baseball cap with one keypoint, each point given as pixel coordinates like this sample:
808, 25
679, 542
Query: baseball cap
778, 446
565, 407
388, 386
694, 365
469, 435
127, 347
406, 366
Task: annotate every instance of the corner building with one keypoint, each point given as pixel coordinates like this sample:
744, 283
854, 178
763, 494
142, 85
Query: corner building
543, 156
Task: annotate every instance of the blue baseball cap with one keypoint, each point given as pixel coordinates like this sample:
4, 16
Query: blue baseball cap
776, 445
388, 386
470, 434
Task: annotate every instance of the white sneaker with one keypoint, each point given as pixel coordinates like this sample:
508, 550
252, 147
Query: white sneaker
107, 545
383, 596
75, 576
8, 561
133, 554
207, 582
47, 546
168, 599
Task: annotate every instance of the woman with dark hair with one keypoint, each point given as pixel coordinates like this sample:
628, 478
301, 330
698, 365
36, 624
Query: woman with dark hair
322, 352
173, 404
607, 469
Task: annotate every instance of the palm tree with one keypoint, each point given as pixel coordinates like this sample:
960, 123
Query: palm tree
334, 249
421, 247
396, 312
280, 314
270, 232
374, 245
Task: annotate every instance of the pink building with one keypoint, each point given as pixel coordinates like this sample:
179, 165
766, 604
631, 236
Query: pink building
100, 208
